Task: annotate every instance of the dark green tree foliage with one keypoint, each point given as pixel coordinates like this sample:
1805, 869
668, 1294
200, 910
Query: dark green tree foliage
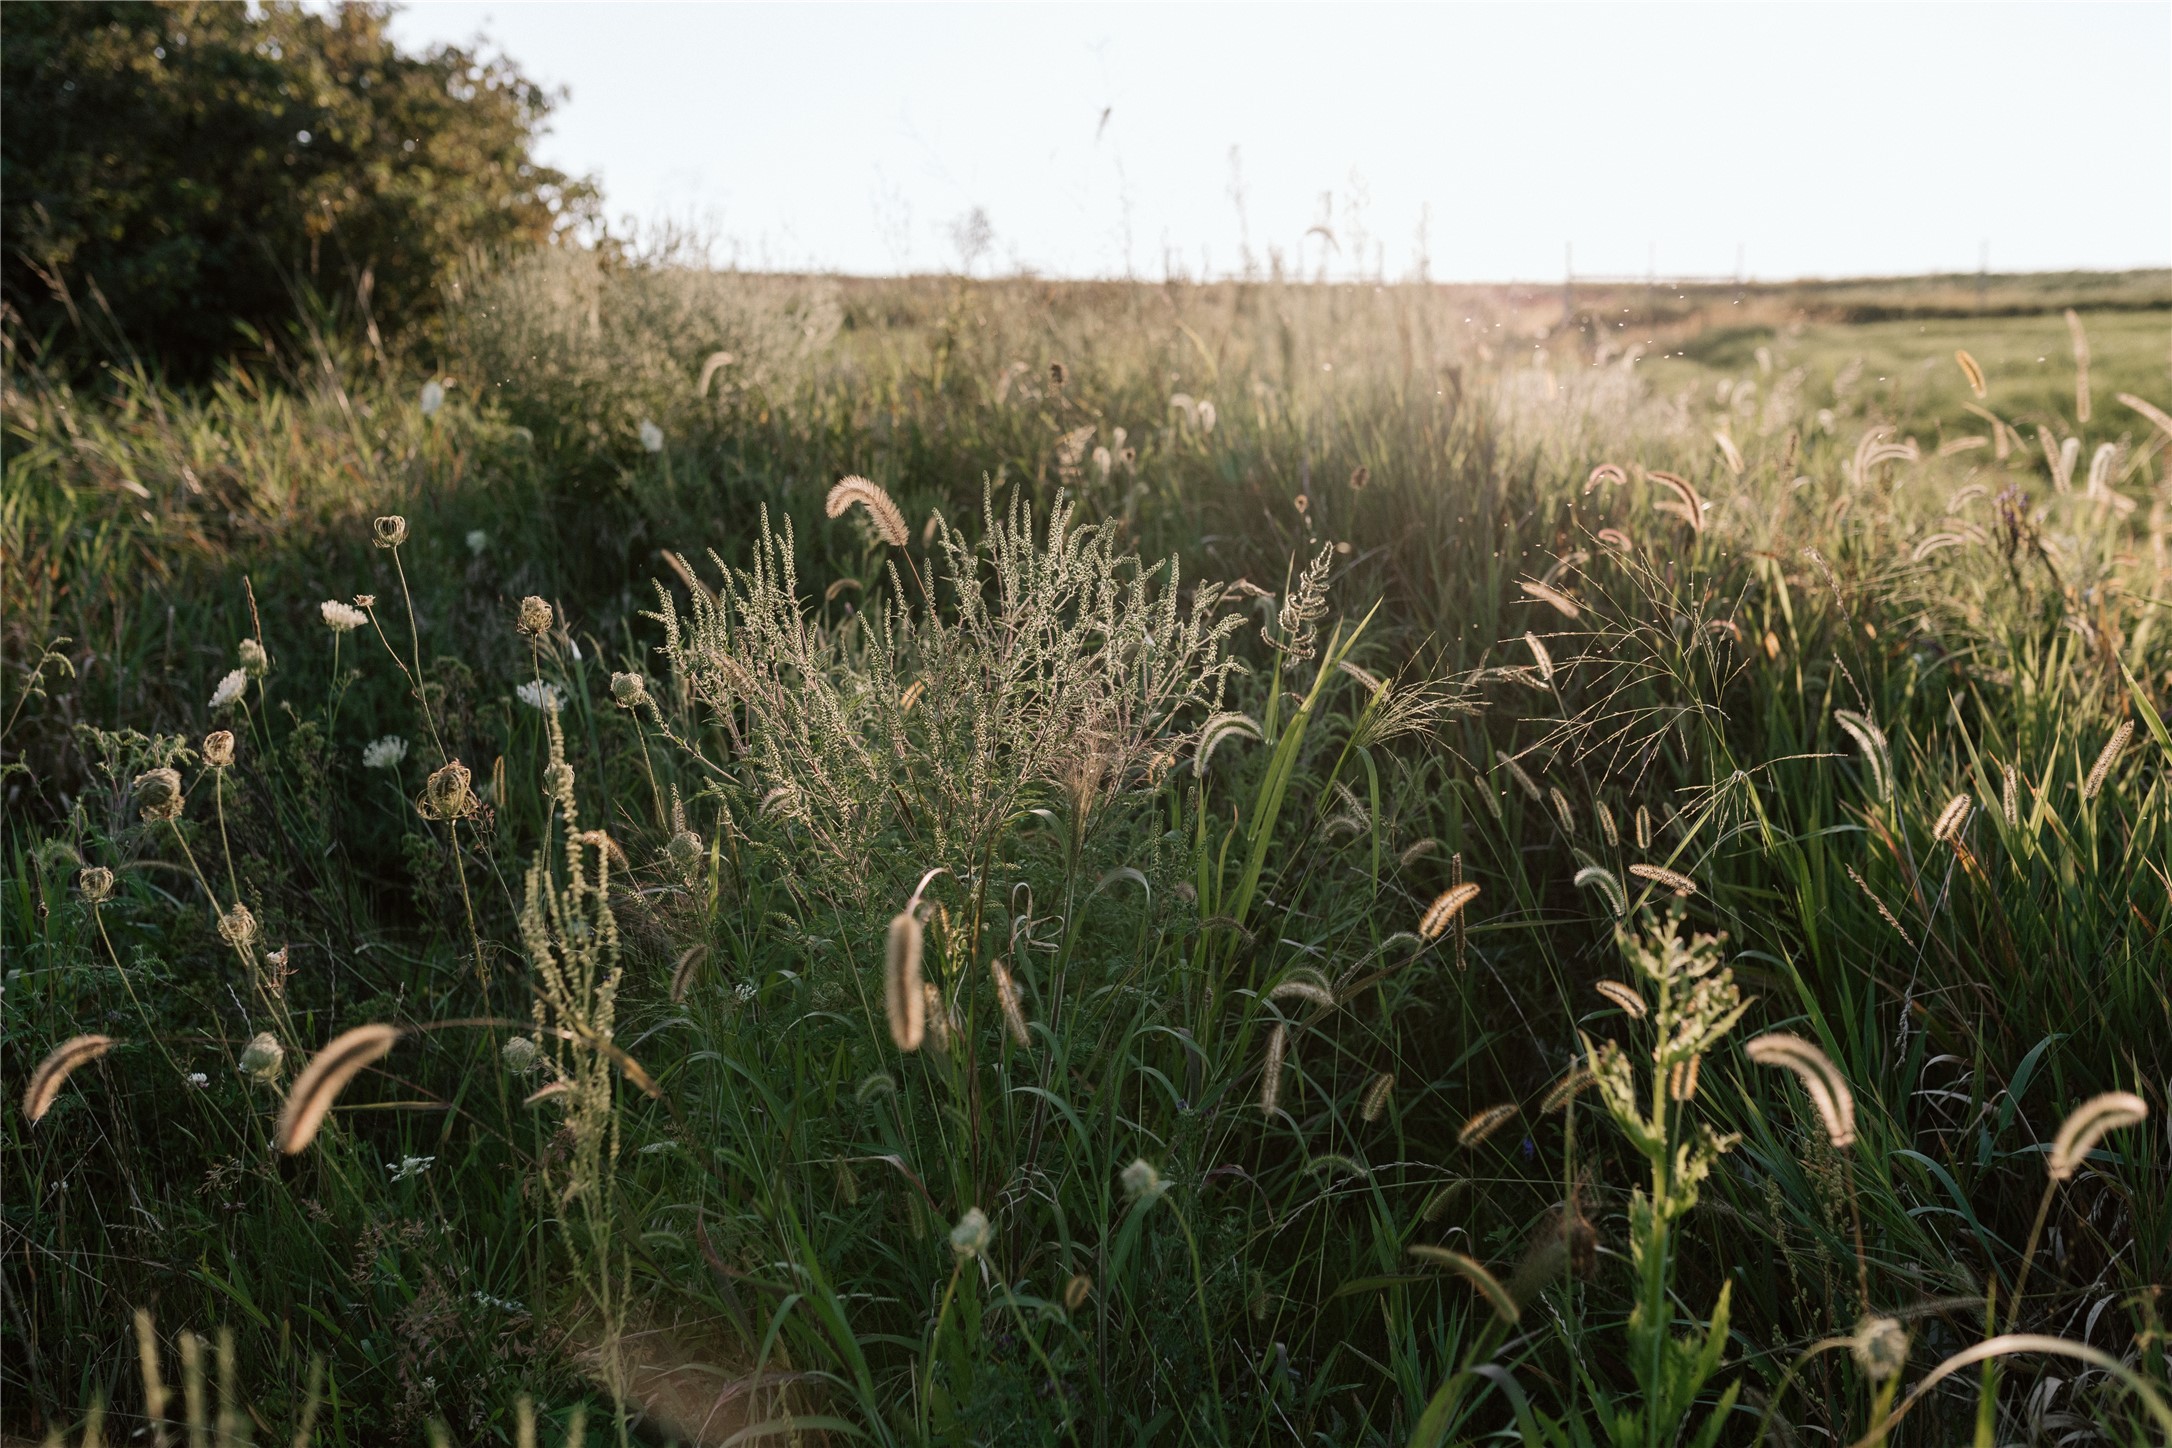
169, 171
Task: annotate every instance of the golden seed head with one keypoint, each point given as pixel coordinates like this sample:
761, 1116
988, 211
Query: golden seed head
1485, 1123
1445, 908
535, 617
219, 748
901, 982
158, 791
882, 510
96, 883
2086, 1126
1821, 1080
237, 927
53, 1072
391, 531
1076, 1291
447, 794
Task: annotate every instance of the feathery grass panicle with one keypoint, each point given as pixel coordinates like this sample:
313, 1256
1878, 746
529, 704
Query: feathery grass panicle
1682, 886
1270, 1076
1309, 991
1947, 830
53, 1072
1553, 597
1484, 1123
1644, 828
1604, 881
2081, 364
1562, 811
1489, 1286
1821, 1080
1524, 781
1445, 908
901, 981
1565, 1090
2010, 797
1876, 753
1606, 824
1376, 1096
2109, 756
326, 1075
2086, 1125
881, 511
1682, 500
1890, 918
1014, 1015
1623, 995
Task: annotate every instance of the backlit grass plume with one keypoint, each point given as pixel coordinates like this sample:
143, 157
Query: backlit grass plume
901, 981
326, 1075
1821, 1080
881, 511
53, 1072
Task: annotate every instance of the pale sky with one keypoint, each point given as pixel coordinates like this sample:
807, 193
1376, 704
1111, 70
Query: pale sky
1112, 140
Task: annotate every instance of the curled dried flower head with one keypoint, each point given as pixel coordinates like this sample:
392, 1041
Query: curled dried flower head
390, 530
520, 1055
96, 883
1142, 1183
158, 792
970, 1238
255, 662
1880, 1344
365, 600
237, 927
882, 511
448, 793
2086, 1126
262, 1058
219, 748
534, 619
628, 690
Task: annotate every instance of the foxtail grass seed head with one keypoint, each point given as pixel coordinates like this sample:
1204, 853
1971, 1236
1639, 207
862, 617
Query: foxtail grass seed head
1524, 781
385, 753
158, 794
1553, 598
448, 794
1376, 1096
263, 1057
1880, 1344
1270, 1077
1360, 476
326, 1075
390, 531
520, 1055
1625, 996
219, 748
1606, 825
1680, 500
901, 982
1445, 908
1485, 1123
911, 696
53, 1072
255, 662
1973, 373
2109, 756
1682, 1080
232, 685
1539, 656
96, 883
1142, 1183
1076, 1291
971, 1237
1821, 1080
881, 511
1565, 1090
935, 1015
237, 927
534, 619
1014, 1016
1489, 1286
1605, 475
2010, 798
1562, 811
1947, 830
2086, 1126
629, 691
1644, 828
1729, 453
1682, 886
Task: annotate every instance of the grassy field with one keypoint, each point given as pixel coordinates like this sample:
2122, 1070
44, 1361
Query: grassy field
1346, 865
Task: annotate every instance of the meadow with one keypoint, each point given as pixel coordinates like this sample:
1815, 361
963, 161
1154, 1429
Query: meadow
738, 858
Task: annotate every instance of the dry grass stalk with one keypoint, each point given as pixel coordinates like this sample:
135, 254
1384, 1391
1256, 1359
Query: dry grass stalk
1445, 908
901, 982
1485, 1123
1821, 1080
1890, 918
53, 1071
326, 1075
881, 511
1682, 886
2086, 1125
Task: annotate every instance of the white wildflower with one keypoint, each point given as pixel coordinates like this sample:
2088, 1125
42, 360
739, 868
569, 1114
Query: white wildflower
342, 617
433, 397
652, 437
478, 540
229, 689
385, 753
538, 695
410, 1166
970, 1238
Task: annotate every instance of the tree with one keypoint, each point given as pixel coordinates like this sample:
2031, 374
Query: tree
168, 171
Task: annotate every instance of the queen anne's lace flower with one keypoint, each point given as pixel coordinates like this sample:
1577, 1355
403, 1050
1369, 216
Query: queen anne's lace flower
230, 689
385, 753
342, 617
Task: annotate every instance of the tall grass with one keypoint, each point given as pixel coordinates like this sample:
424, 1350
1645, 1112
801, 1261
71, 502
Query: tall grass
1206, 1092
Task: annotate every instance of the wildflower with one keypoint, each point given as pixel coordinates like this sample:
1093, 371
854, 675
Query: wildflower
1880, 1344
433, 397
96, 883
410, 1166
1142, 1183
391, 532
229, 690
254, 661
342, 617
519, 1055
446, 795
219, 748
159, 793
237, 927
535, 617
538, 695
478, 540
628, 690
972, 1235
385, 753
196, 1080
262, 1059
277, 959
652, 437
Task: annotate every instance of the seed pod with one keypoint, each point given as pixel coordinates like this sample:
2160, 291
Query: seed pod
96, 883
237, 927
447, 795
534, 619
158, 791
391, 531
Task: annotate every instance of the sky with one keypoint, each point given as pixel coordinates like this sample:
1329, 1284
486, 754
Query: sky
1461, 142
